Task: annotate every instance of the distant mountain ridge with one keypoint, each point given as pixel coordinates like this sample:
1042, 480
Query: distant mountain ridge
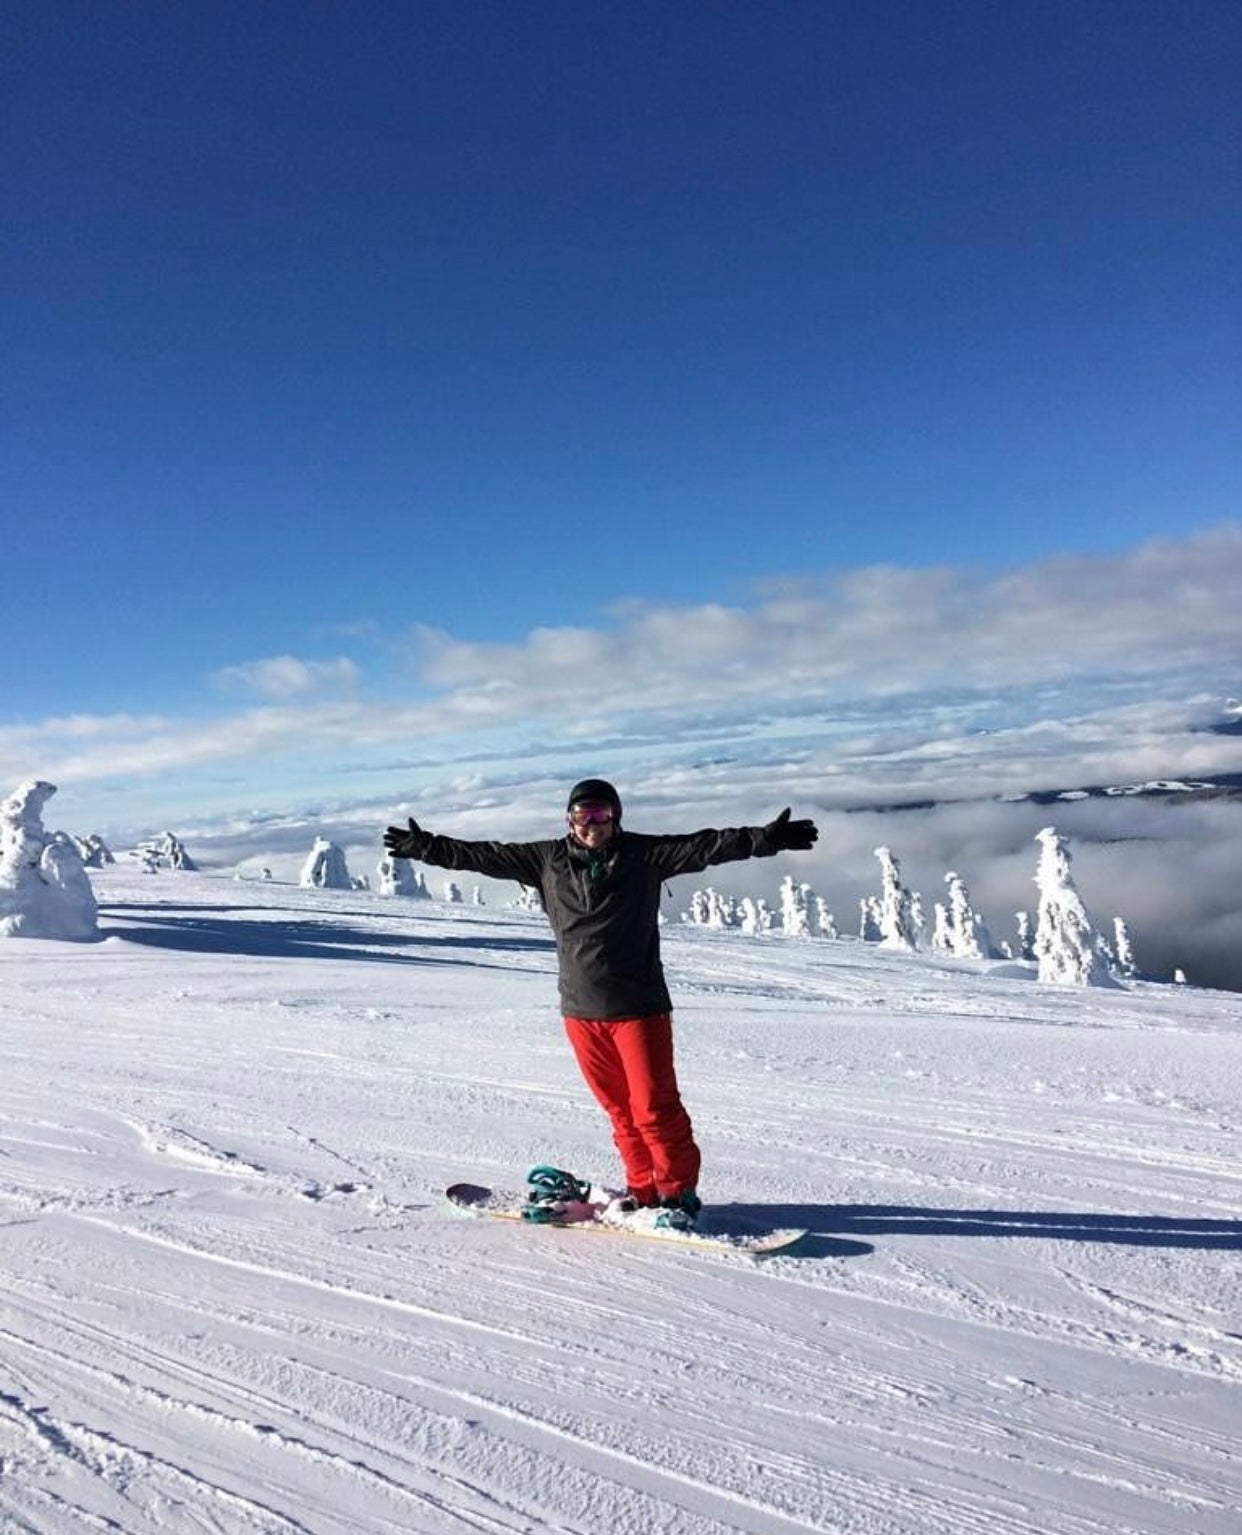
1180, 790
1215, 786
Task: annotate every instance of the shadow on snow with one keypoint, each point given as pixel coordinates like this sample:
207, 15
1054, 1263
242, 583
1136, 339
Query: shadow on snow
828, 1224
311, 940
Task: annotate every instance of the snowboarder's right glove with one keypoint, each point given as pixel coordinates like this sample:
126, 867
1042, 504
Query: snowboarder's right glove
785, 835
401, 843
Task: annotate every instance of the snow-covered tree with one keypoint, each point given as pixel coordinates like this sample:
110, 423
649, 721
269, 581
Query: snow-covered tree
795, 908
967, 933
825, 922
1123, 952
1066, 944
397, 876
917, 918
175, 852
326, 868
1026, 936
708, 908
94, 851
756, 916
166, 852
528, 899
869, 919
452, 892
476, 896
896, 915
45, 891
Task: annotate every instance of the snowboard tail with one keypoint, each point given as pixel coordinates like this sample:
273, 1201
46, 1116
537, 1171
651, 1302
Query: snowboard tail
715, 1232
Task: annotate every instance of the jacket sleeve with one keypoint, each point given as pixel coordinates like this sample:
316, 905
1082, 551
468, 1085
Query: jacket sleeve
695, 850
522, 861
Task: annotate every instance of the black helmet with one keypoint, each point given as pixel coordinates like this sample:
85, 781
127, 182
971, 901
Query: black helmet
595, 791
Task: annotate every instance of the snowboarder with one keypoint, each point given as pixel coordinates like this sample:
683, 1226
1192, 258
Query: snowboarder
600, 887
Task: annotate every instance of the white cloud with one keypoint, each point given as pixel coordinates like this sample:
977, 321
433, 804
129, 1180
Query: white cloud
288, 677
881, 632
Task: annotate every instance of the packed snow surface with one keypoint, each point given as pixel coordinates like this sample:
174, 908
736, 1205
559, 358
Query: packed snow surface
233, 1300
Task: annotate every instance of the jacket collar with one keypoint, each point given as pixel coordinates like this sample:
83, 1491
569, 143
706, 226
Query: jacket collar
596, 861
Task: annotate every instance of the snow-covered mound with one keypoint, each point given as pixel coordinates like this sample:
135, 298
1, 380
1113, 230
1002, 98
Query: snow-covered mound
326, 867
398, 876
45, 891
166, 852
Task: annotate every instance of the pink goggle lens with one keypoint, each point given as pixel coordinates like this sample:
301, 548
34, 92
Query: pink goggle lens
591, 815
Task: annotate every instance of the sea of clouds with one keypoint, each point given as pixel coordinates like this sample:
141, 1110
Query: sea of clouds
849, 695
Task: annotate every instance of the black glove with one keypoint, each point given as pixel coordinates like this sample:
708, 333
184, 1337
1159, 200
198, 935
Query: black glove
401, 843
788, 836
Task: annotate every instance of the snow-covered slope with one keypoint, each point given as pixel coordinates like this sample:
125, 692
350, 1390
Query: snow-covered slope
232, 1300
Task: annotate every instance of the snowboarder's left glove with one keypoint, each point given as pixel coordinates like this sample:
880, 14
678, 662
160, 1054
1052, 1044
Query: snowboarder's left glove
401, 843
785, 835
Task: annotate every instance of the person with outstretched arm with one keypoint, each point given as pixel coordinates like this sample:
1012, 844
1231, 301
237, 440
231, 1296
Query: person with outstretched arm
600, 887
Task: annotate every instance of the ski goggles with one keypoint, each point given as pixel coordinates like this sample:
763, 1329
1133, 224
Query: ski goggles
591, 815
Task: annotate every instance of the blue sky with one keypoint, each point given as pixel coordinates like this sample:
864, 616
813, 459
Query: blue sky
377, 370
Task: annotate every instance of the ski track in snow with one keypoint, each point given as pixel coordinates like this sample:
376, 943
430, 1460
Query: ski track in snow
232, 1299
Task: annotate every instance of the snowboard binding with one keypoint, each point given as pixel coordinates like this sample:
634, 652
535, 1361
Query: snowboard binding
552, 1190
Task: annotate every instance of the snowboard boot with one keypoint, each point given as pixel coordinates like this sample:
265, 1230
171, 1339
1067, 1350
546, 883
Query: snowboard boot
638, 1199
678, 1212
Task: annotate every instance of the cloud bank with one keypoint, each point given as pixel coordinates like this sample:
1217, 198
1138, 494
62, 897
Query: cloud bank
915, 664
838, 693
875, 633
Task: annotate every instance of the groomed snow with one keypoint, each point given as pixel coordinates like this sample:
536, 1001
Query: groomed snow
231, 1299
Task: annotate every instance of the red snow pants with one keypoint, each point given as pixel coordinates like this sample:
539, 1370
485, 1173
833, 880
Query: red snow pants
628, 1065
